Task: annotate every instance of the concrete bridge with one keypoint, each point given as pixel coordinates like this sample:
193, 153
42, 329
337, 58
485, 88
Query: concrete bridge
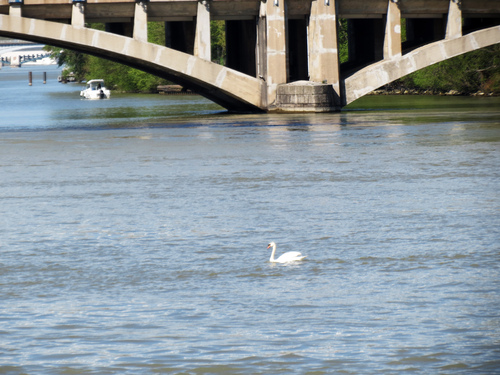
282, 55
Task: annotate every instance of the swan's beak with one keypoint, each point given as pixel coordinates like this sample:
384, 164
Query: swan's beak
268, 246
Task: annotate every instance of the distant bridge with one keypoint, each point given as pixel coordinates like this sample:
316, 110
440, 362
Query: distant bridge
17, 52
282, 55
16, 43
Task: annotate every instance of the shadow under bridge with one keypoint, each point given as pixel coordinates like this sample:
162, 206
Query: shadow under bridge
227, 87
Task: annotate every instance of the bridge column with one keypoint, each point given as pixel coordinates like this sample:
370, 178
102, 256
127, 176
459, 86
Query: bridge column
392, 40
454, 21
202, 47
15, 8
141, 21
15, 61
323, 48
78, 14
272, 17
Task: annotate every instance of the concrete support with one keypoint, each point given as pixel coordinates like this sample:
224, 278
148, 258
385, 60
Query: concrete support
323, 45
202, 47
454, 21
306, 97
141, 21
276, 72
78, 15
15, 9
261, 52
392, 40
261, 47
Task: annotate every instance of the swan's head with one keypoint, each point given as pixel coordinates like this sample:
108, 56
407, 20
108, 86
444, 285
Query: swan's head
272, 244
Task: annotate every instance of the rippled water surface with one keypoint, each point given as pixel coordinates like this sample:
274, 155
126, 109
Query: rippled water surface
133, 235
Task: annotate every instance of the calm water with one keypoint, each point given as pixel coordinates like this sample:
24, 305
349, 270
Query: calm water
133, 235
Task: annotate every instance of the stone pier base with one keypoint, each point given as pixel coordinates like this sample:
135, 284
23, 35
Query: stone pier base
306, 96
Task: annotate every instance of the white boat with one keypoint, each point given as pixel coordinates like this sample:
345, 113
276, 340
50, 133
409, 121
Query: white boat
95, 90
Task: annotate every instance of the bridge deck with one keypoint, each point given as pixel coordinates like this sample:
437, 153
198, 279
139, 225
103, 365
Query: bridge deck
177, 10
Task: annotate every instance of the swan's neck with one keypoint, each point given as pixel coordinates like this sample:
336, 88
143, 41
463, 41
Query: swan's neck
272, 253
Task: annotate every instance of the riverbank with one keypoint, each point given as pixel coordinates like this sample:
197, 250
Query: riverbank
409, 91
179, 90
173, 90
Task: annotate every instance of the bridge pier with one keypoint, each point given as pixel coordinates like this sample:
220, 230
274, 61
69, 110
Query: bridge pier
272, 18
202, 47
392, 40
454, 21
140, 32
15, 9
78, 14
309, 78
323, 47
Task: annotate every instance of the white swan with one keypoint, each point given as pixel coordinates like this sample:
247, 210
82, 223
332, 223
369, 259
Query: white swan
291, 256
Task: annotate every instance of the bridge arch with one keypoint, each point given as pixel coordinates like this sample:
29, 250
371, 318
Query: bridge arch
227, 87
386, 71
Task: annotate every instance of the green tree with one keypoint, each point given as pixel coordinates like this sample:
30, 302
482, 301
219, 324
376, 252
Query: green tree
218, 41
342, 40
124, 78
74, 62
156, 33
468, 73
118, 76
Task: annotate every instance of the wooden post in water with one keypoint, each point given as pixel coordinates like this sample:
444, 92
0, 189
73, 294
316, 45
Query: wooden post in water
30, 78
44, 78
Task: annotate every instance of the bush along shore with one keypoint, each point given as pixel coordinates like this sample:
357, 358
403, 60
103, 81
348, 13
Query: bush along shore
475, 73
173, 90
389, 90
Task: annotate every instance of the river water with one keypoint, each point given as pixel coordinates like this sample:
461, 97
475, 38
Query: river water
133, 235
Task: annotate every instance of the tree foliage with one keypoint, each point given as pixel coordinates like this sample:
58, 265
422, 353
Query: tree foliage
74, 62
118, 76
342, 40
475, 71
218, 41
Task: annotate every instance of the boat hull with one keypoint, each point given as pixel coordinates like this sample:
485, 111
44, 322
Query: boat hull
95, 94
95, 90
